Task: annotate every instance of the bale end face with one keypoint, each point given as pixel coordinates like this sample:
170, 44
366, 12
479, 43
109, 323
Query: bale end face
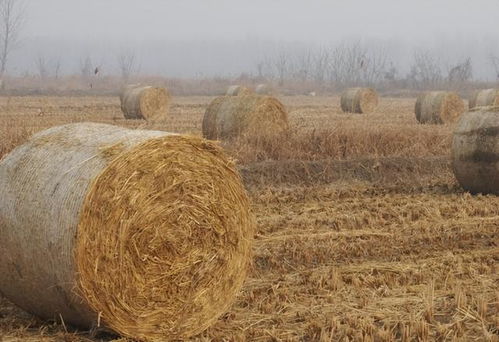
178, 242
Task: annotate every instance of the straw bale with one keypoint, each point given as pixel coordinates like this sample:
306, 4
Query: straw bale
475, 151
484, 98
359, 100
144, 102
263, 89
230, 116
237, 90
146, 233
439, 107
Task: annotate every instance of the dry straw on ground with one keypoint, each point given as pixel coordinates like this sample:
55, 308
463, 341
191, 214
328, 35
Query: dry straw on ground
144, 102
143, 232
359, 100
439, 107
483, 98
237, 90
475, 151
363, 231
263, 89
230, 116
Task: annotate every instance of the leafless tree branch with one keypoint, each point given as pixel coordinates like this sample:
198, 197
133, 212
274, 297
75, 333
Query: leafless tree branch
494, 60
12, 18
127, 63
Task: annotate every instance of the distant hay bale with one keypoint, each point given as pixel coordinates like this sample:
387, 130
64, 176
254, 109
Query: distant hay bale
144, 232
237, 90
484, 98
439, 107
263, 89
144, 102
230, 116
359, 100
475, 151
125, 89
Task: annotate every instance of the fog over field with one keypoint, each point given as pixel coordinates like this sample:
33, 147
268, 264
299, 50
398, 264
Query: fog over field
257, 170
225, 38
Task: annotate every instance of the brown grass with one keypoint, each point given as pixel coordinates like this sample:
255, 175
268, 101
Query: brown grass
362, 231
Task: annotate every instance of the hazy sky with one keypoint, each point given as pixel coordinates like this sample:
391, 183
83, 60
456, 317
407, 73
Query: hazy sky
277, 19
133, 23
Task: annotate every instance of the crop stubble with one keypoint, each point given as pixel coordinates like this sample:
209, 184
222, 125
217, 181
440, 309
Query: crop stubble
362, 230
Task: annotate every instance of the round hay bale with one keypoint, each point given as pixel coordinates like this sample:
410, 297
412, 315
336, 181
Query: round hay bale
124, 90
439, 107
230, 116
359, 100
144, 102
236, 90
146, 233
484, 98
263, 89
475, 151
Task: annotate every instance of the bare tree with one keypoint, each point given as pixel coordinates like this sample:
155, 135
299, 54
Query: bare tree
46, 68
265, 68
260, 65
41, 66
321, 63
425, 70
346, 64
461, 72
12, 14
86, 67
302, 65
391, 73
353, 63
127, 62
374, 66
281, 67
494, 60
57, 67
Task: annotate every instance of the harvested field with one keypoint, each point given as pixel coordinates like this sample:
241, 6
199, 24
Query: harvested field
363, 233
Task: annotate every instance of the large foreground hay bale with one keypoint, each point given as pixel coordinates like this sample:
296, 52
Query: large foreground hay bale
439, 107
144, 102
237, 90
359, 100
263, 89
475, 150
145, 232
484, 98
230, 116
